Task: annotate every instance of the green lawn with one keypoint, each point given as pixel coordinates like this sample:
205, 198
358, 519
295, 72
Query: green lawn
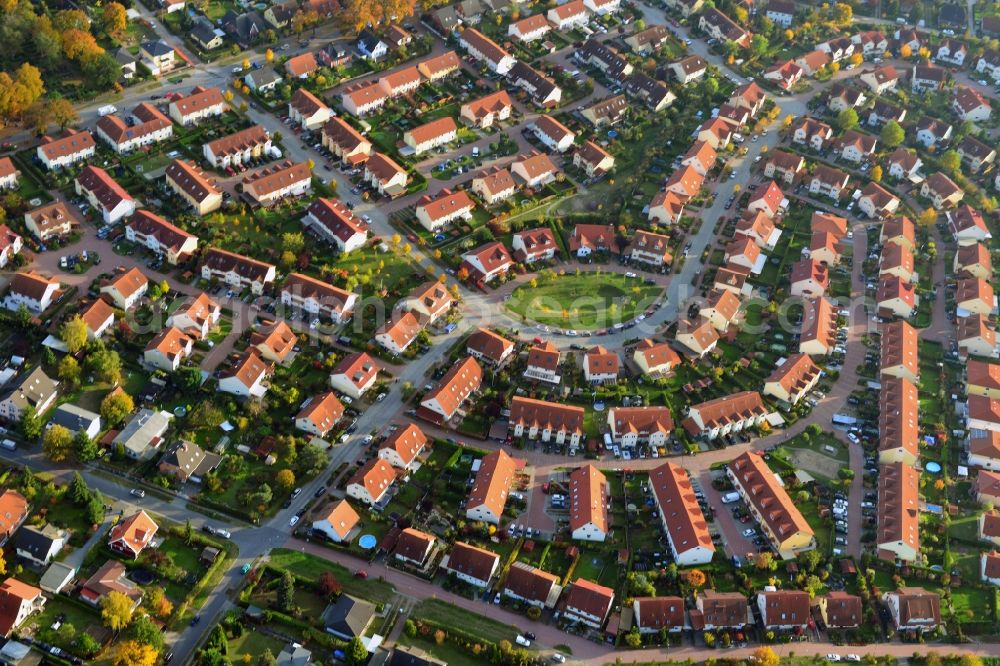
448, 615
254, 643
585, 301
311, 567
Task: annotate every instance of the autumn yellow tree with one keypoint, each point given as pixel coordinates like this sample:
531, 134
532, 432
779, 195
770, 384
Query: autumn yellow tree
269, 55
857, 59
927, 217
116, 611
113, 18
62, 112
695, 578
905, 51
78, 44
285, 480
134, 653
20, 91
765, 656
877, 173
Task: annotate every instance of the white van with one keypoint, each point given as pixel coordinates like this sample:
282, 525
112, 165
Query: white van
521, 640
9, 444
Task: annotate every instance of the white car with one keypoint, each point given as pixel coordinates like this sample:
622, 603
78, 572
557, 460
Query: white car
521, 640
852, 657
558, 659
293, 521
138, 492
749, 532
833, 657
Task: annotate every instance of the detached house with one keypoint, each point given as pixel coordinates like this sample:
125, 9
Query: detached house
168, 349
192, 185
345, 142
975, 153
431, 135
731, 413
719, 26
569, 15
403, 446
491, 488
941, 190
969, 104
494, 186
434, 212
133, 534
534, 245
72, 147
793, 379
317, 298
308, 111
968, 226
126, 289
588, 603
455, 387
247, 376
472, 565
105, 194
382, 172
811, 132
34, 291
334, 222
486, 111
485, 50
877, 202
161, 237
487, 262
905, 165
372, 483
237, 271
354, 375
547, 421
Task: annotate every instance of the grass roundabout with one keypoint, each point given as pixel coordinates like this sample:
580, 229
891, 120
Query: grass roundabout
583, 301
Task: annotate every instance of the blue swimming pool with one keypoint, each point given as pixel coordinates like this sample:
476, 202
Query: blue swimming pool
367, 541
933, 467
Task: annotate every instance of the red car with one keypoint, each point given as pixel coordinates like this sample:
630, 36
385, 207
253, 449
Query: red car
361, 573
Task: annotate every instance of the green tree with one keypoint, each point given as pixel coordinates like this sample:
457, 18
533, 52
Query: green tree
30, 424
951, 162
87, 645
95, 508
311, 460
84, 447
633, 638
69, 371
116, 406
267, 659
145, 631
759, 44
893, 134
78, 490
22, 316
847, 119
187, 378
101, 69
357, 654
293, 242
188, 532
116, 611
285, 593
106, 366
